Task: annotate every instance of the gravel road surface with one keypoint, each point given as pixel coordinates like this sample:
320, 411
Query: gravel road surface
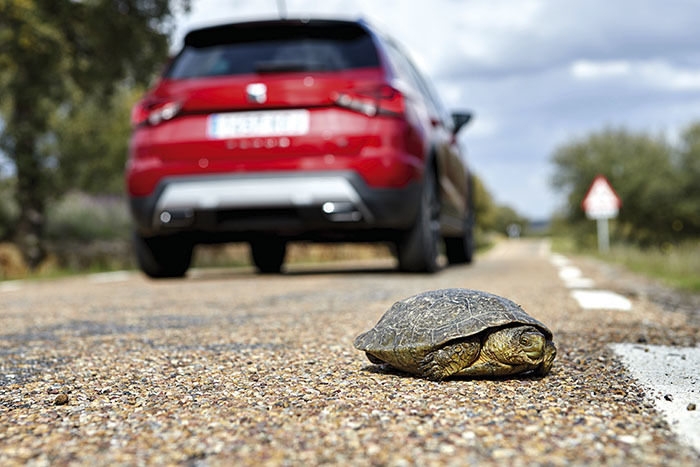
227, 367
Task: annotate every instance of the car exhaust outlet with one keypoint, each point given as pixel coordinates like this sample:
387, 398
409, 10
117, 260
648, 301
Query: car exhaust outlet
341, 212
165, 217
176, 217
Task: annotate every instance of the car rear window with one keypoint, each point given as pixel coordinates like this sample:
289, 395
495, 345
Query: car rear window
242, 49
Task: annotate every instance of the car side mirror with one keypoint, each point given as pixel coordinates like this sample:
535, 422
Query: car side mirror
460, 119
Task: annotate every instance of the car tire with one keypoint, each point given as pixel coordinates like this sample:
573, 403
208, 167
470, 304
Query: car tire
417, 249
268, 254
163, 257
460, 250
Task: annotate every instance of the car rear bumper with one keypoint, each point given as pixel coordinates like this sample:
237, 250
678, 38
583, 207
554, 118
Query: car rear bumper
316, 205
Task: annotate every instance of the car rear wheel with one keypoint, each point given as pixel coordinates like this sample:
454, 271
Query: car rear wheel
162, 257
268, 254
417, 250
460, 250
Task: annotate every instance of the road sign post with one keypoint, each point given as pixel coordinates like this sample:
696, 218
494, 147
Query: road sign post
601, 203
603, 237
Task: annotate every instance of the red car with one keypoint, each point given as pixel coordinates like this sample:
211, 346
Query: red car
311, 130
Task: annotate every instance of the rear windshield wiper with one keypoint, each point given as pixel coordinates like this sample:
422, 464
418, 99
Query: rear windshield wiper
287, 65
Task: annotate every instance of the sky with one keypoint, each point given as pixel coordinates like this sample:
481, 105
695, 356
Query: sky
536, 73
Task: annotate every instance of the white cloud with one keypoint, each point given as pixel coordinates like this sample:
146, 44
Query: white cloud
484, 126
586, 69
486, 27
451, 93
675, 78
654, 73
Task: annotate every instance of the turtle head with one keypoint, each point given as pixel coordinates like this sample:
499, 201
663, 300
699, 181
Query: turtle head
517, 345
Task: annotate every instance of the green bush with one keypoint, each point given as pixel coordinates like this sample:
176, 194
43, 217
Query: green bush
82, 218
90, 232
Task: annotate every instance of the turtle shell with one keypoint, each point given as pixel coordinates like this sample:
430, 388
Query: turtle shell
418, 324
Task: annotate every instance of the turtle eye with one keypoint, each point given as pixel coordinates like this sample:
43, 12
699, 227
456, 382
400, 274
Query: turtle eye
524, 340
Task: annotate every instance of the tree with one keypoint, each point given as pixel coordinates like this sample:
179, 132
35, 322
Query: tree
639, 167
483, 203
91, 142
54, 53
689, 169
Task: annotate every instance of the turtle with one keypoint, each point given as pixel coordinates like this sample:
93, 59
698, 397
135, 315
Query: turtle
459, 332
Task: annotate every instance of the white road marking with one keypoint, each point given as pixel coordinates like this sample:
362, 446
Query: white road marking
601, 300
579, 283
573, 278
107, 277
571, 275
668, 373
11, 286
559, 260
569, 272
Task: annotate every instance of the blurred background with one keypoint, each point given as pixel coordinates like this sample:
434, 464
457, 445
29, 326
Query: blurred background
562, 92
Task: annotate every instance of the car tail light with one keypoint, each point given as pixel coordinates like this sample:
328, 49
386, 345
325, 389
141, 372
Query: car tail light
147, 112
381, 100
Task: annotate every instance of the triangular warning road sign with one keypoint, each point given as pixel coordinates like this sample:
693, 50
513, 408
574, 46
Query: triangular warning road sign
601, 201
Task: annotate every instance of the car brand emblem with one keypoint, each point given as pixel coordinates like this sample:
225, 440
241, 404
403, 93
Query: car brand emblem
256, 92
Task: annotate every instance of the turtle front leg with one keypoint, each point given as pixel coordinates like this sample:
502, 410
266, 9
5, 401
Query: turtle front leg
550, 351
448, 360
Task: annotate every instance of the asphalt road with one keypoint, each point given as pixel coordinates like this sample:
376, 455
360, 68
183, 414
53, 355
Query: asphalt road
226, 367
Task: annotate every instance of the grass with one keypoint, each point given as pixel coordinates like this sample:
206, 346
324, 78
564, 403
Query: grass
675, 265
13, 267
678, 266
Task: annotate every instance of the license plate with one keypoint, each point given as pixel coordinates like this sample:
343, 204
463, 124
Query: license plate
255, 124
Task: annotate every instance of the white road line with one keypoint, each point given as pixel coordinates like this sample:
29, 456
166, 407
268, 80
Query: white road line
107, 277
571, 275
672, 380
559, 260
601, 300
11, 286
569, 272
573, 278
579, 283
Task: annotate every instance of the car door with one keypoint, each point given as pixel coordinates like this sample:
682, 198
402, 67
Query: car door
452, 171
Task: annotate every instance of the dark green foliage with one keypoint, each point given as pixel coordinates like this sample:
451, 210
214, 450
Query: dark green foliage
653, 179
688, 204
91, 143
8, 210
483, 202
